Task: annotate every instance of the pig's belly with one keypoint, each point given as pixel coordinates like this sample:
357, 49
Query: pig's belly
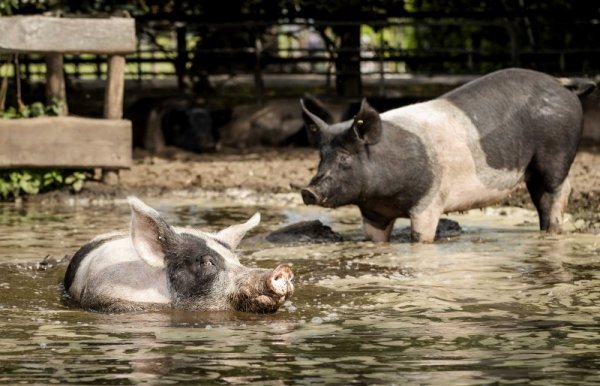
472, 194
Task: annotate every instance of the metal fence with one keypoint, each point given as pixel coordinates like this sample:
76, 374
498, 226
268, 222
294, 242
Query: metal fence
386, 49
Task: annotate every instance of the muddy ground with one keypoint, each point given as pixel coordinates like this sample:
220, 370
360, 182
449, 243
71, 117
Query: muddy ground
263, 172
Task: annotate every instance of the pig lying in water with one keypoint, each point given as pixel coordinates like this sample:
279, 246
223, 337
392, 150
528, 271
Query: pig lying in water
466, 149
157, 264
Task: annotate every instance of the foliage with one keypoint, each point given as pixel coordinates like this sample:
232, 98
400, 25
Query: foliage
36, 109
15, 183
8, 6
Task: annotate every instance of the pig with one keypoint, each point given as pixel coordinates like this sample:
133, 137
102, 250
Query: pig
156, 264
468, 148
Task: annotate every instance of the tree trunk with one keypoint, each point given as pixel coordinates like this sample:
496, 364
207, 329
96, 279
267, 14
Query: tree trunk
348, 79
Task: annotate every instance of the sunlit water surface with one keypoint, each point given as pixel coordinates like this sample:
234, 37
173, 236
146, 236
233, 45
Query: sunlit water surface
500, 303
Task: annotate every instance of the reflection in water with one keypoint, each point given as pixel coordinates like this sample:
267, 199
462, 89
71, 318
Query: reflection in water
501, 303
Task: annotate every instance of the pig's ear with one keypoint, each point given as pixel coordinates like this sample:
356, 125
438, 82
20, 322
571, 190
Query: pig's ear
235, 233
314, 125
367, 124
149, 233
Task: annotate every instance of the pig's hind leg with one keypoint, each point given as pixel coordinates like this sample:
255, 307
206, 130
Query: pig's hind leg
549, 191
424, 224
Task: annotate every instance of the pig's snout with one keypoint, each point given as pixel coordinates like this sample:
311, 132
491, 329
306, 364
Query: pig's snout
281, 281
310, 197
265, 291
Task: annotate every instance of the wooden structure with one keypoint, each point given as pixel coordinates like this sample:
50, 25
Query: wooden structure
65, 141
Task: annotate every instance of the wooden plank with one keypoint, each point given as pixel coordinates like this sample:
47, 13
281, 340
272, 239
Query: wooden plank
65, 142
55, 81
115, 86
44, 34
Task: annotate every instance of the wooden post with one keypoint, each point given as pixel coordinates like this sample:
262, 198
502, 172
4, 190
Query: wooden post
55, 82
113, 98
113, 102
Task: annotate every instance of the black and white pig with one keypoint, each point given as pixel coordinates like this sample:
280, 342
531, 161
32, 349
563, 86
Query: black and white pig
467, 149
158, 264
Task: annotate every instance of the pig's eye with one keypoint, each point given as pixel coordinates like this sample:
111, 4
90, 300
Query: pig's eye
344, 159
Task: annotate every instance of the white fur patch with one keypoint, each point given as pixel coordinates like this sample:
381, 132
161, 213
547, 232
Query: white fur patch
462, 177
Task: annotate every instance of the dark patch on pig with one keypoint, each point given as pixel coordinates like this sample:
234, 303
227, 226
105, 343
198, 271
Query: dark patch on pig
318, 108
79, 256
550, 115
161, 121
192, 267
146, 116
367, 124
371, 173
302, 232
223, 244
189, 128
406, 173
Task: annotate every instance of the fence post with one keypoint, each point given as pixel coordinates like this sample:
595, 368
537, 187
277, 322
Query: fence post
113, 97
113, 103
55, 82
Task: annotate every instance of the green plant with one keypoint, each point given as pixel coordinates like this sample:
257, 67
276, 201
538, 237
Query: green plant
15, 183
36, 109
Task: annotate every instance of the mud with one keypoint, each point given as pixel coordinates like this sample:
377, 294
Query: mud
277, 174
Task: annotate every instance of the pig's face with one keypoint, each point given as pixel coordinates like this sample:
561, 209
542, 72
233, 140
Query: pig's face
202, 271
345, 148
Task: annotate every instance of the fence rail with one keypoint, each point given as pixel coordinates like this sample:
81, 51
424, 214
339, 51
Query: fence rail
286, 49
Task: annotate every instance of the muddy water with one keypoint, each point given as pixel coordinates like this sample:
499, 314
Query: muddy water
499, 303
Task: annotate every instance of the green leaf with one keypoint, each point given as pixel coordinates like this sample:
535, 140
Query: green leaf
78, 185
37, 109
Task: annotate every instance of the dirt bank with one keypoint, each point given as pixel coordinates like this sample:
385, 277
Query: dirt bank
262, 170
283, 170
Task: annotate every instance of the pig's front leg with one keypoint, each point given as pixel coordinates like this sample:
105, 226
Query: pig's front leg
377, 228
424, 224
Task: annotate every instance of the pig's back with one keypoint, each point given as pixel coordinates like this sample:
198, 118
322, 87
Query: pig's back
515, 111
462, 175
77, 261
108, 270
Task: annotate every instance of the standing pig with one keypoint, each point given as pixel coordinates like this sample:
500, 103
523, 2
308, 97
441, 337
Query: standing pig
157, 264
466, 149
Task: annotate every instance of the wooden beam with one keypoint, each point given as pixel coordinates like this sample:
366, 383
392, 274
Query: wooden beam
65, 142
115, 87
44, 34
55, 81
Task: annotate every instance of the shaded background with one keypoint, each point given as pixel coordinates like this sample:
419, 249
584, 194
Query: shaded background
221, 55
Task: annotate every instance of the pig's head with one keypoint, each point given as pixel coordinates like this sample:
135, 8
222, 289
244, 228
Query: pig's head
345, 148
201, 269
